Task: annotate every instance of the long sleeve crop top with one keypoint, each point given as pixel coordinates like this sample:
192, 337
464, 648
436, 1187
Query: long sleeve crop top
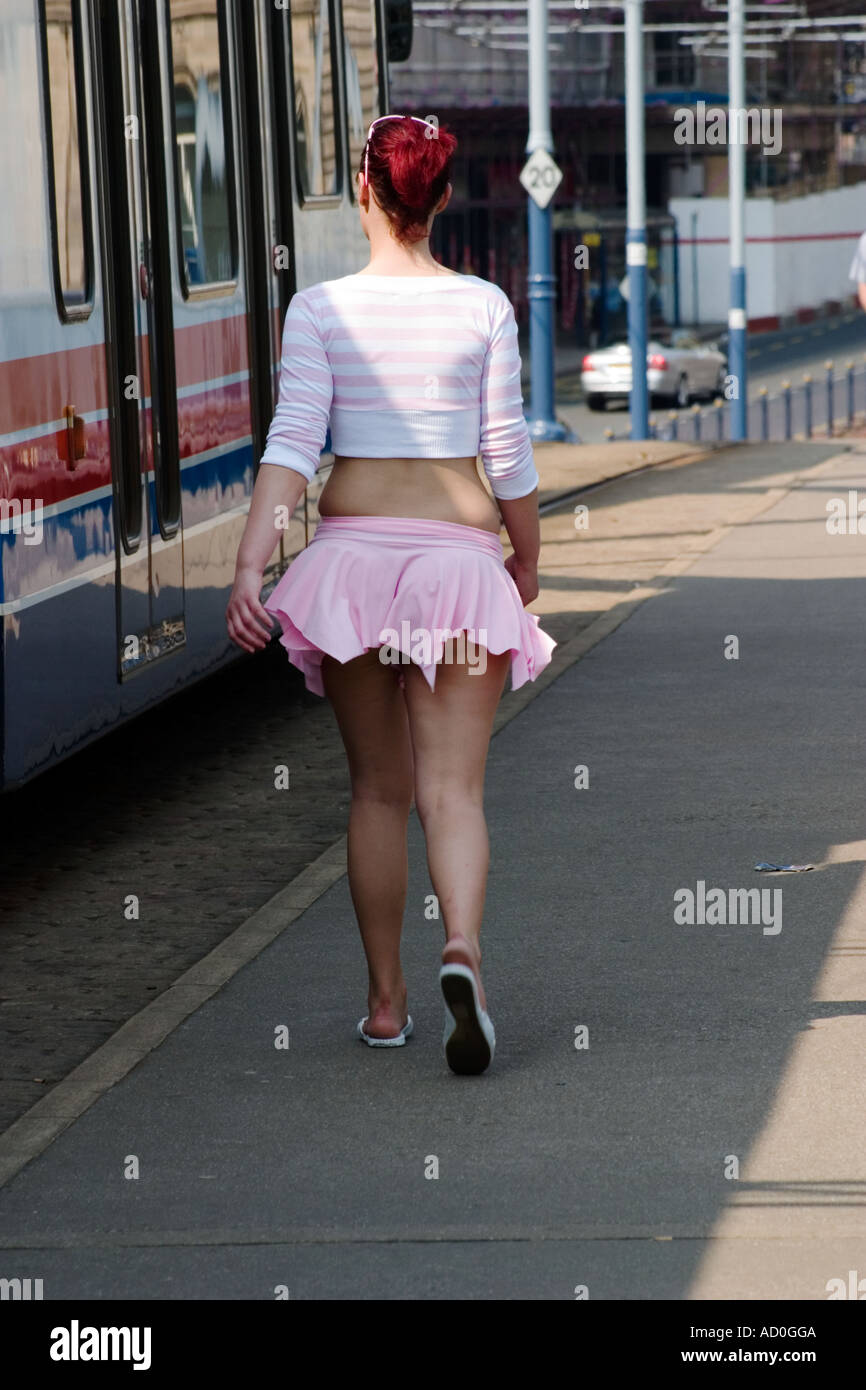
403, 367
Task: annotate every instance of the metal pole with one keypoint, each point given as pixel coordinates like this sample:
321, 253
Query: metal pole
737, 136
676, 274
542, 282
696, 316
602, 291
635, 241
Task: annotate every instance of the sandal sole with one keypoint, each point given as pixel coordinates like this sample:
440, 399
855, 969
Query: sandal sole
468, 1051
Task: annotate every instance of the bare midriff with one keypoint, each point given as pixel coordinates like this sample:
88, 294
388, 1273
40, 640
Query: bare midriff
433, 489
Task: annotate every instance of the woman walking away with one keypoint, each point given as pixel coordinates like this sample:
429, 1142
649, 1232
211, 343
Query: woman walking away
401, 609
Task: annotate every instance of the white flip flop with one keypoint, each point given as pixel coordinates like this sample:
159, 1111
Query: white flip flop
470, 1040
405, 1032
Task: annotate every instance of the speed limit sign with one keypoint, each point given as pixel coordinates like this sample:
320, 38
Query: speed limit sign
541, 176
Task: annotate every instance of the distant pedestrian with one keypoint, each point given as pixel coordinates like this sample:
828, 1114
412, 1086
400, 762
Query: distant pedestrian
402, 609
858, 270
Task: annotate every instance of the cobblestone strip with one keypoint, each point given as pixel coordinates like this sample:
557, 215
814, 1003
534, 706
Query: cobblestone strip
34, 1131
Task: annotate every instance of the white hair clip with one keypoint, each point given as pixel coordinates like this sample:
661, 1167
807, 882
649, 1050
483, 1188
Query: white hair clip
419, 119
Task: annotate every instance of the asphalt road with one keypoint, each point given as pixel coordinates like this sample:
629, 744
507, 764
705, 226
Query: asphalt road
773, 359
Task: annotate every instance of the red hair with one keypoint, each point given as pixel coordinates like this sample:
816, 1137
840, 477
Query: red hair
409, 166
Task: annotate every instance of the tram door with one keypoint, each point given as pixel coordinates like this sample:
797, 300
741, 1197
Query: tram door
142, 383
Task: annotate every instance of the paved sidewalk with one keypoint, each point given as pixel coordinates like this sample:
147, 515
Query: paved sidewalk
564, 467
205, 840
313, 1166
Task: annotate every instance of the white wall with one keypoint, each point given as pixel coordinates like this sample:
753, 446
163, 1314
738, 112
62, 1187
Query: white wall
803, 261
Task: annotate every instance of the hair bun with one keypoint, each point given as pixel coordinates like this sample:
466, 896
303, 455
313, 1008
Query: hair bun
416, 163
409, 165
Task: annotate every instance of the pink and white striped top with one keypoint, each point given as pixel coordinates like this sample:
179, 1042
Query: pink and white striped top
403, 367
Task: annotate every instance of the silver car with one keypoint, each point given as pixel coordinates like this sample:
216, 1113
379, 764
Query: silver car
677, 371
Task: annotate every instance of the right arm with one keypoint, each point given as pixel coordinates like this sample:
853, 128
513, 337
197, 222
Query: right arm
506, 450
520, 515
292, 455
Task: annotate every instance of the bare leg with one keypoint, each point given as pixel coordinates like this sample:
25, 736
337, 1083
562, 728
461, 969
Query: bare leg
450, 731
371, 713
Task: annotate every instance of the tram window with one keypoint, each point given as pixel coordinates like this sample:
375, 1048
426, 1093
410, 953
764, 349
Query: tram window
362, 73
312, 79
67, 155
202, 120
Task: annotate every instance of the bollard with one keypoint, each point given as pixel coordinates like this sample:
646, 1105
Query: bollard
786, 395
829, 366
765, 415
807, 401
850, 368
696, 415
718, 406
673, 417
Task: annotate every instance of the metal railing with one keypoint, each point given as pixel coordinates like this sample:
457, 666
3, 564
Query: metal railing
818, 406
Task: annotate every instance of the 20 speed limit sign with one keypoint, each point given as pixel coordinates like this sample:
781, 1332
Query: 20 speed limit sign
541, 176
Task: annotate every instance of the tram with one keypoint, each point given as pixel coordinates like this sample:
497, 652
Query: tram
172, 171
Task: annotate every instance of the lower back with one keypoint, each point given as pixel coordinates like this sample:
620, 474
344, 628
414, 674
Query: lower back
435, 489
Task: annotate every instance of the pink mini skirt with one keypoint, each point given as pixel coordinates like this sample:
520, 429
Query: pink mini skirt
366, 582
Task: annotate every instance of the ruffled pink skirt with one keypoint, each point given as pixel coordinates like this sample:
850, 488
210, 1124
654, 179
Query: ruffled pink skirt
404, 583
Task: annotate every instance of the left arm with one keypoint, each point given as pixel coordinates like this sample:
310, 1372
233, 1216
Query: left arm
248, 621
292, 455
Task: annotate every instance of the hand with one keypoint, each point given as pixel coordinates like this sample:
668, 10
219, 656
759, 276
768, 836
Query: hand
525, 577
249, 623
